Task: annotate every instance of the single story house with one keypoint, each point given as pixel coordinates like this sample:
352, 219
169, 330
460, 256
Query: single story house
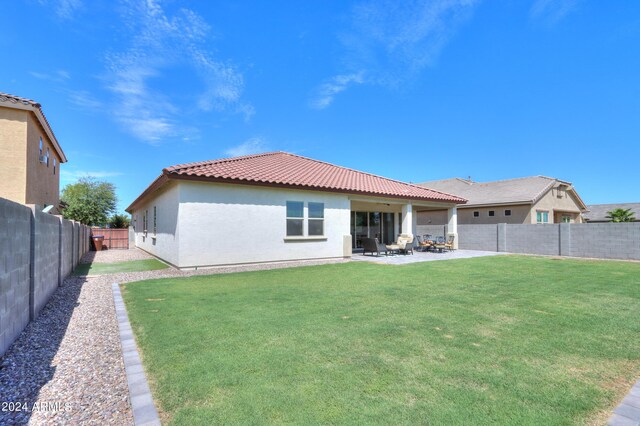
527, 200
273, 207
598, 212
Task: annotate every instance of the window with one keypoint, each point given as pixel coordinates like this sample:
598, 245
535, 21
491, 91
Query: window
146, 221
542, 216
40, 152
476, 214
154, 220
55, 162
507, 212
492, 213
295, 218
47, 157
316, 219
566, 219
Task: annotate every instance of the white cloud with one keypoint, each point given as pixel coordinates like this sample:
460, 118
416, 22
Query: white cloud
58, 76
83, 99
339, 83
64, 9
69, 176
250, 146
159, 44
552, 11
392, 41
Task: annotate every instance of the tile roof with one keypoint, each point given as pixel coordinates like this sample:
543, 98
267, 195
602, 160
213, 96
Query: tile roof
12, 101
598, 212
290, 170
519, 190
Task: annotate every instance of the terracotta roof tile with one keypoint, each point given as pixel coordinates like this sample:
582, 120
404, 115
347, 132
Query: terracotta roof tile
285, 169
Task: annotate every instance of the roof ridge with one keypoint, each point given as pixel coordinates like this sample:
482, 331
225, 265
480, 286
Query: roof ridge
20, 99
369, 174
219, 160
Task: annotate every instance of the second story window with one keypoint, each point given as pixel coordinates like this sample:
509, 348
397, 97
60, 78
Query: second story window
47, 160
55, 163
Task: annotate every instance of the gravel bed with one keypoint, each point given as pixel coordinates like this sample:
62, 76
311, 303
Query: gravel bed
113, 255
67, 366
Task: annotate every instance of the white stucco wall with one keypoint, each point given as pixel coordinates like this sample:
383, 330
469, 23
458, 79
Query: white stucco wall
164, 244
223, 224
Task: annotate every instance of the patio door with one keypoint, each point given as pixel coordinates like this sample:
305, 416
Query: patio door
371, 225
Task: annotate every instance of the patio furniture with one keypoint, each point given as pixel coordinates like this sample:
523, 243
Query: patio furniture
449, 244
372, 245
423, 245
439, 244
405, 241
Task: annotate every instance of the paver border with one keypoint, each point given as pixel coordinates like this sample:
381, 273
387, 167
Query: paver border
144, 410
628, 412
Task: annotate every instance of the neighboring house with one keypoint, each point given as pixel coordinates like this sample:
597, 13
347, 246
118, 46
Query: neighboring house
273, 207
598, 212
534, 199
30, 155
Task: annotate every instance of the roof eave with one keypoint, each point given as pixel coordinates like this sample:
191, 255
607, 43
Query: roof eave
37, 111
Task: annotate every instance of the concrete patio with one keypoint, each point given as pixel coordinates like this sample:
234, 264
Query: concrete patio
419, 256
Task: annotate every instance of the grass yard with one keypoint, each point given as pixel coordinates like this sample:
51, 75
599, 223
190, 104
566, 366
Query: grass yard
507, 340
112, 268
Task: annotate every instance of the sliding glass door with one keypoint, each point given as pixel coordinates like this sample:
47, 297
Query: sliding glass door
372, 225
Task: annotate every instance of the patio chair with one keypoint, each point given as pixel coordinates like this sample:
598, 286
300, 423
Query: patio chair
406, 241
439, 244
449, 244
372, 245
423, 245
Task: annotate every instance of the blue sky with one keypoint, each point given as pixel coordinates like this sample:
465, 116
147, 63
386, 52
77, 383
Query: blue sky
412, 90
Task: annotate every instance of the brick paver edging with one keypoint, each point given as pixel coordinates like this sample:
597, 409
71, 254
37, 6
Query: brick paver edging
628, 412
144, 411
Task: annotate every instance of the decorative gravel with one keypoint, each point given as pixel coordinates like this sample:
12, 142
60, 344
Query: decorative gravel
67, 366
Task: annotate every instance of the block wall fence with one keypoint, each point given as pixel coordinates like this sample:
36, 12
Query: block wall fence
591, 240
37, 252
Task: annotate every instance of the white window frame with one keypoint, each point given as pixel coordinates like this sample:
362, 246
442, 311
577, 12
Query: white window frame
306, 220
314, 219
296, 218
540, 216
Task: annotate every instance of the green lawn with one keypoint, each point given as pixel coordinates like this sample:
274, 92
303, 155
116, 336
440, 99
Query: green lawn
112, 268
507, 340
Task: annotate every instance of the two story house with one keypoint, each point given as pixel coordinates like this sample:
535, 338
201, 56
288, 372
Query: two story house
30, 155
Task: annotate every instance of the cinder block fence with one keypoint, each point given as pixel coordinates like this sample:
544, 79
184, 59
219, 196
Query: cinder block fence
37, 251
592, 240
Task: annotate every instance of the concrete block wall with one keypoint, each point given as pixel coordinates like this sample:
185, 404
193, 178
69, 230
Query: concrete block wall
533, 239
15, 252
606, 240
594, 240
478, 237
435, 230
45, 261
37, 251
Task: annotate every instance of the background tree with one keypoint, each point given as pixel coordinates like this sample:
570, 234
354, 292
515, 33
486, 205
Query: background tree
119, 221
89, 201
621, 215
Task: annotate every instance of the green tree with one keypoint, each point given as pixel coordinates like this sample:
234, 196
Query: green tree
621, 215
119, 221
89, 201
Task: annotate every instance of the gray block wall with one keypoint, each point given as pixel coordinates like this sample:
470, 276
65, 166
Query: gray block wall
66, 248
533, 239
435, 230
15, 248
606, 240
45, 259
594, 240
37, 251
478, 237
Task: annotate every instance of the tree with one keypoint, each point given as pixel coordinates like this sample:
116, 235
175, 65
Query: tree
119, 221
89, 201
621, 215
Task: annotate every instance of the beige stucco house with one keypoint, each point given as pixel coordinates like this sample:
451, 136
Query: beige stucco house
528, 200
274, 207
30, 154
